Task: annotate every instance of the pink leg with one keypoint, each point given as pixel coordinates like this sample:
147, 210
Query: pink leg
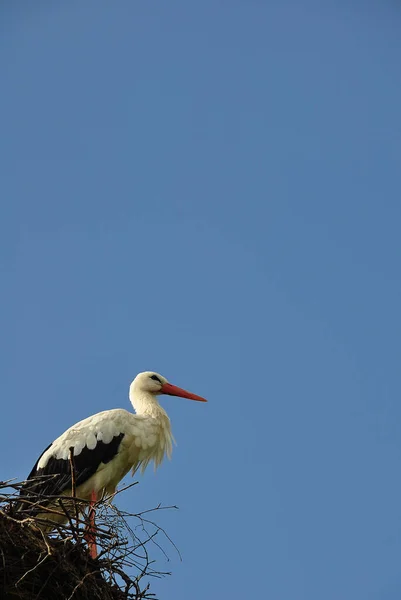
90, 536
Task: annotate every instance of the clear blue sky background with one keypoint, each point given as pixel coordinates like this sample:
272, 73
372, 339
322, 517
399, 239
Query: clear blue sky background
212, 190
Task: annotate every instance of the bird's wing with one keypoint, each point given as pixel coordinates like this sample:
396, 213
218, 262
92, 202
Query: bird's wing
94, 441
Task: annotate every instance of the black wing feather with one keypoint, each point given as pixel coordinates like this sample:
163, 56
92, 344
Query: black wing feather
55, 477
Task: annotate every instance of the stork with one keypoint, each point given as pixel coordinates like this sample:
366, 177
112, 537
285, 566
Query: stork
105, 447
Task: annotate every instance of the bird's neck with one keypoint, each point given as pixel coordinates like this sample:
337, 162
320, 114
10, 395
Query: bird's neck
146, 403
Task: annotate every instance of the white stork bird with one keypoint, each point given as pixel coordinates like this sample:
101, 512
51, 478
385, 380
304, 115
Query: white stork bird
105, 447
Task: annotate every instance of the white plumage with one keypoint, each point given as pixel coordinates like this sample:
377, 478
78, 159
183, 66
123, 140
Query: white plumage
145, 438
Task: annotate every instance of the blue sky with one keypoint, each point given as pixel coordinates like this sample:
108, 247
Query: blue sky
212, 190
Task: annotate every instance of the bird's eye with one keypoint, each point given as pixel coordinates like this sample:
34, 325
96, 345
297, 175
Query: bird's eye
155, 378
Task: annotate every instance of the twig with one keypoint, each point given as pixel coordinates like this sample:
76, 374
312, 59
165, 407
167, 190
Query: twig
72, 466
80, 583
73, 484
46, 556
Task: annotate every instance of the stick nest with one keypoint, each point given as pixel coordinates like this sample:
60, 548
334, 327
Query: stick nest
37, 566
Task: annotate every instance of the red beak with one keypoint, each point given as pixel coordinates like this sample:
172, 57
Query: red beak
173, 390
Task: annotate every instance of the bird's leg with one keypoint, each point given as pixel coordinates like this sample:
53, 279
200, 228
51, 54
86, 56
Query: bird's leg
90, 533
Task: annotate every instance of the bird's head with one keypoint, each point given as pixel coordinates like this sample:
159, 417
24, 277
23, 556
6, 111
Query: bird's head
156, 384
